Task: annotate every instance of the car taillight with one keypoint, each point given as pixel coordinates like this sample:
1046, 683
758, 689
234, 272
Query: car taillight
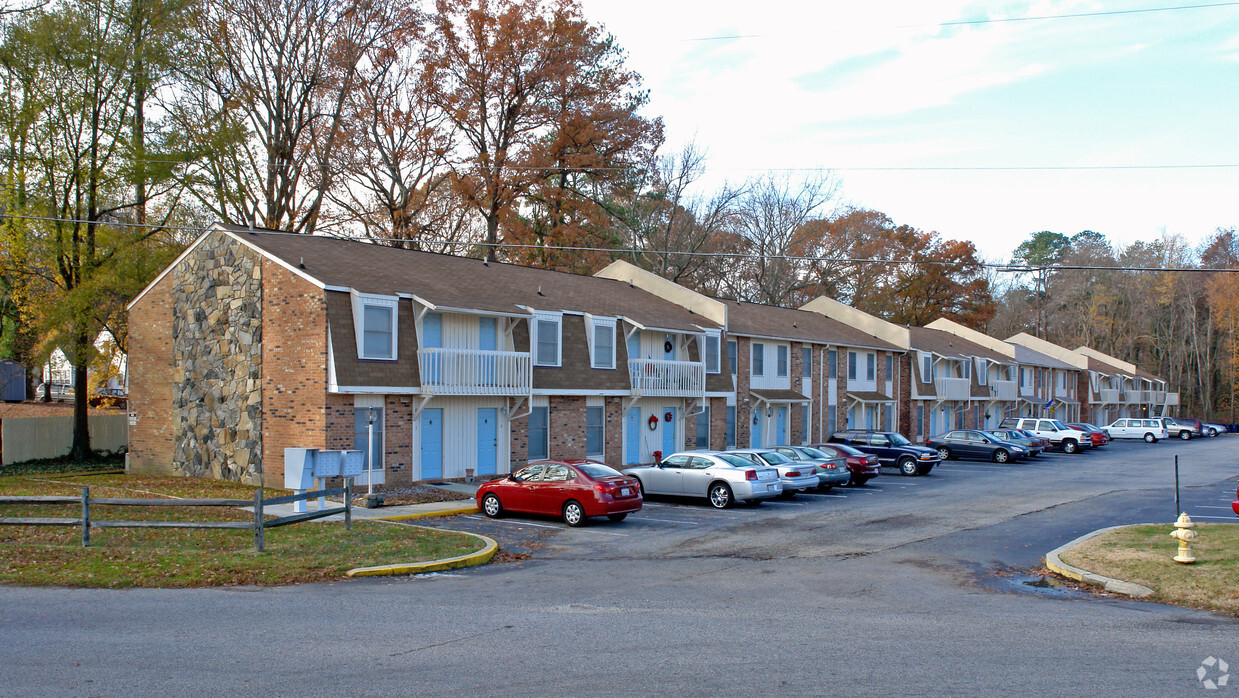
605, 489
793, 473
750, 475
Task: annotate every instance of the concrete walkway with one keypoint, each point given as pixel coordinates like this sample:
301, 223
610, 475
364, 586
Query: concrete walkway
400, 512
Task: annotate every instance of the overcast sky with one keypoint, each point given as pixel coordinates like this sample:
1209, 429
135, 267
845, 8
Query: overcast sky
894, 84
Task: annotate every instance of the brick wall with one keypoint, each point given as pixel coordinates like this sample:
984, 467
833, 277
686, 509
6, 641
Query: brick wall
744, 402
151, 438
613, 431
294, 359
567, 427
718, 423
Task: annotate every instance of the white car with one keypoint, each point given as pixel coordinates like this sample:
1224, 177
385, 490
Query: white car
719, 477
1151, 430
1060, 436
1214, 429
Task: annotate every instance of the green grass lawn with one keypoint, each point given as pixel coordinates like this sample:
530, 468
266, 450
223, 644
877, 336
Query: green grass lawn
313, 551
1142, 554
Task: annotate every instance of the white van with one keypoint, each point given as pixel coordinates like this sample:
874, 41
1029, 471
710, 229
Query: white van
1060, 436
1148, 429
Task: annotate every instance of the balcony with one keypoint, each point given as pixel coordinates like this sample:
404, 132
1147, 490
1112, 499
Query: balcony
657, 378
953, 388
1172, 399
1063, 392
1005, 391
475, 372
1134, 397
1108, 396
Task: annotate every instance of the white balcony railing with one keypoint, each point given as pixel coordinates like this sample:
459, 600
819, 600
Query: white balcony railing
1003, 390
1062, 391
1133, 397
1172, 400
1108, 396
657, 378
953, 388
475, 372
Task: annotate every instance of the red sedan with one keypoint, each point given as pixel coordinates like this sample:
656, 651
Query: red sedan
863, 466
1095, 434
1235, 504
575, 489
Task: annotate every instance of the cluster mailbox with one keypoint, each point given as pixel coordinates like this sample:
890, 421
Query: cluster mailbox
302, 466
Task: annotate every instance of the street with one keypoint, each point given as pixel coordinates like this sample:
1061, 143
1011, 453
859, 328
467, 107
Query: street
906, 586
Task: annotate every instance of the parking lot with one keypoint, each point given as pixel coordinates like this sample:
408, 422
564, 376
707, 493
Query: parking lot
892, 510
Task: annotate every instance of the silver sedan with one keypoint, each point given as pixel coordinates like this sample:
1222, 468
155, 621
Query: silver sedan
719, 477
795, 477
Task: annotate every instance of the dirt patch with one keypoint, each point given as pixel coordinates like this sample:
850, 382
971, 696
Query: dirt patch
412, 494
31, 408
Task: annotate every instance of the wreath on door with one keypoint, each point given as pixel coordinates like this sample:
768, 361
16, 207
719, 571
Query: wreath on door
653, 422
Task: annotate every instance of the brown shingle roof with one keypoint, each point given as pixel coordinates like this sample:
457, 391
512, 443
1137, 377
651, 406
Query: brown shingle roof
950, 345
468, 284
757, 320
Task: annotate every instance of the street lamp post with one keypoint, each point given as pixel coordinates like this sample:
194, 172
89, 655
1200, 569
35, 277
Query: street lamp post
370, 453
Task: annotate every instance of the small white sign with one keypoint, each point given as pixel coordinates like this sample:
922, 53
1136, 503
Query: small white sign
133, 419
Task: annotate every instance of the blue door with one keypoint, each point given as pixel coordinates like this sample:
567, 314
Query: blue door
669, 426
488, 340
432, 338
432, 443
632, 437
780, 425
488, 441
758, 423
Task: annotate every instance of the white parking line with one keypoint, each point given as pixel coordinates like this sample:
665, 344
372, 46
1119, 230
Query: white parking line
819, 494
538, 525
1202, 506
650, 518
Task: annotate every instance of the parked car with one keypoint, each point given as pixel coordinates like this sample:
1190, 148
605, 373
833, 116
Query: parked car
572, 489
1180, 428
1060, 435
971, 443
1032, 444
1151, 430
831, 469
794, 476
1213, 429
1096, 434
721, 478
892, 449
862, 466
1234, 506
1041, 441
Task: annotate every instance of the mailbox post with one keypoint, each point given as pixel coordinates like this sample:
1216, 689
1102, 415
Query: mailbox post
299, 472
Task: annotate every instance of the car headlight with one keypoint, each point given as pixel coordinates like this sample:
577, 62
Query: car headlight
926, 456
1017, 449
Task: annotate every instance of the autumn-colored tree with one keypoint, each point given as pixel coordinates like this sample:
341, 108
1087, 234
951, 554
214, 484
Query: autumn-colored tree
545, 112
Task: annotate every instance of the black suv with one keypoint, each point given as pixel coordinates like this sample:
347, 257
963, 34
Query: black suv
891, 448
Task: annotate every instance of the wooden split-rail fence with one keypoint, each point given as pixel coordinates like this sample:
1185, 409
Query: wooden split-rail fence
257, 525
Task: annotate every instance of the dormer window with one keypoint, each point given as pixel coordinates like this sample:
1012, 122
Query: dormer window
374, 320
713, 357
546, 339
602, 339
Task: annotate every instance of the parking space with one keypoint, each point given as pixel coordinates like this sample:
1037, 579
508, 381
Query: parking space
666, 524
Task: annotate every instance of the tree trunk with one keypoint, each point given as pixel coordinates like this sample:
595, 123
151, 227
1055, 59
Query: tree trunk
81, 391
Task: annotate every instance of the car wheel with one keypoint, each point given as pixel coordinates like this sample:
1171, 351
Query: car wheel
1070, 446
617, 517
907, 466
944, 453
825, 488
1212, 432
1150, 439
785, 494
1001, 456
1185, 435
720, 496
491, 506
858, 481
574, 514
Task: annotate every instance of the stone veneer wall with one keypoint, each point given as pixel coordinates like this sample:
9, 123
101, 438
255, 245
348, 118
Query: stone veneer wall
217, 361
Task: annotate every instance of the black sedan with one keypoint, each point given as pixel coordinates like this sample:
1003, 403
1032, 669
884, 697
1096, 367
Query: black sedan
969, 443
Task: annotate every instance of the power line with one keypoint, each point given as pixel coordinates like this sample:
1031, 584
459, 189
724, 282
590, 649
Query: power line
997, 266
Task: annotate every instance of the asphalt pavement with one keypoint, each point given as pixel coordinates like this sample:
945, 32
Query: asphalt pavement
923, 585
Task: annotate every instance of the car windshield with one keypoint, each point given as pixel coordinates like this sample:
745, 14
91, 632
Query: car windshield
899, 440
1058, 425
597, 470
774, 458
847, 450
737, 461
814, 453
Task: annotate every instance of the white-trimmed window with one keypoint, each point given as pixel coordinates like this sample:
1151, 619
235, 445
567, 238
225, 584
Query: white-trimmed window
374, 321
759, 359
851, 373
780, 361
967, 368
602, 343
713, 356
732, 353
890, 367
594, 431
545, 339
806, 362
927, 368
871, 366
982, 372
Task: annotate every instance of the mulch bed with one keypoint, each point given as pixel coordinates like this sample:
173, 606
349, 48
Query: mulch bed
411, 494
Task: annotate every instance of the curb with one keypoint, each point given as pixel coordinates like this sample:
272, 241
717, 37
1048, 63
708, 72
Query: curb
480, 557
428, 514
1117, 586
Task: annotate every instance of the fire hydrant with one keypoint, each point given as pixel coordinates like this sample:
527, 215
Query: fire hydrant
1185, 535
